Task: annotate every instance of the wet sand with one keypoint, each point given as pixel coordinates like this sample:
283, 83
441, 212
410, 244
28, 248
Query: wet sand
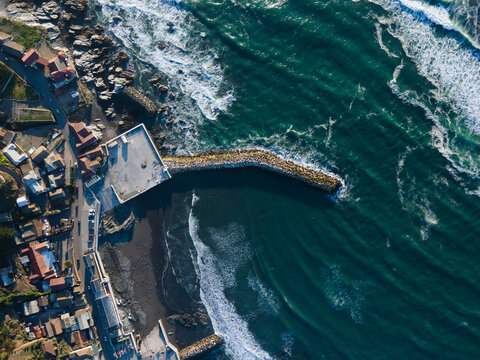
138, 265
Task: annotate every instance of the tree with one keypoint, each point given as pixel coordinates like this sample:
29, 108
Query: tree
67, 264
6, 240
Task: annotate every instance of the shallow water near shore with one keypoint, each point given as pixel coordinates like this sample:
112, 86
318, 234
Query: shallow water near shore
382, 93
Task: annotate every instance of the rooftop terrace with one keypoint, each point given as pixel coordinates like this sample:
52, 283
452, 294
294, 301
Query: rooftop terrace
132, 167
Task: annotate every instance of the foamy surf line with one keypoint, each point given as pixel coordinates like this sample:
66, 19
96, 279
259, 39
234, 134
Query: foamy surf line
448, 63
240, 343
179, 54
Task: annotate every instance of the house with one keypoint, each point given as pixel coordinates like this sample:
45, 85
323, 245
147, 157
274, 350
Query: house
22, 201
43, 301
31, 307
5, 37
42, 260
88, 167
65, 301
56, 180
16, 156
30, 58
83, 135
33, 229
54, 162
57, 326
48, 349
58, 284
78, 338
62, 77
92, 154
66, 322
81, 354
49, 329
58, 63
83, 319
6, 136
57, 196
41, 62
31, 209
34, 183
39, 155
13, 49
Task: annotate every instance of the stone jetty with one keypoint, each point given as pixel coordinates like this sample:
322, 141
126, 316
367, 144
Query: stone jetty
201, 347
252, 158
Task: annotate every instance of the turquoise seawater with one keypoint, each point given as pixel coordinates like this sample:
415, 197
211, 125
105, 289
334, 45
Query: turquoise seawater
383, 93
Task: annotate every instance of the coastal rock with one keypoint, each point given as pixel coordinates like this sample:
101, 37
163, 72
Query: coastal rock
51, 9
186, 320
201, 347
82, 42
119, 219
75, 28
76, 8
121, 60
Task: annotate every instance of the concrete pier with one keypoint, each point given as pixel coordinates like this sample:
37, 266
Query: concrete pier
252, 158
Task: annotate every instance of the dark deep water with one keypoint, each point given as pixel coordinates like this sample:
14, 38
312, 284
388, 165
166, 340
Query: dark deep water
382, 93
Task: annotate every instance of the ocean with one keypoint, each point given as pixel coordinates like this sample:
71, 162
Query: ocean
382, 93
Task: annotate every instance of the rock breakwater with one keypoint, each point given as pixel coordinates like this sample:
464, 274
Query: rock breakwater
201, 347
252, 158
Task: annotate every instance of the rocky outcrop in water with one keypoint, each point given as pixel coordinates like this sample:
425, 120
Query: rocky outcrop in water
201, 347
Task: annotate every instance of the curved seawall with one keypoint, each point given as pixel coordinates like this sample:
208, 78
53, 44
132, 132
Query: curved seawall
252, 158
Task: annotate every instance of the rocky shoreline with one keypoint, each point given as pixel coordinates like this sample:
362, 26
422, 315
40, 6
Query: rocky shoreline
253, 158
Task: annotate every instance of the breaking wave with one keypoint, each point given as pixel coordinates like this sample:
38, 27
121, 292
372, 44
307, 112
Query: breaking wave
240, 343
183, 55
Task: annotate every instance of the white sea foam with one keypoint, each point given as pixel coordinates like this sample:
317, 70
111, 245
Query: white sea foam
267, 300
437, 14
446, 62
461, 160
189, 65
239, 341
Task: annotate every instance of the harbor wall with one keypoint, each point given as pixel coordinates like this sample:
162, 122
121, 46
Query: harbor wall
252, 158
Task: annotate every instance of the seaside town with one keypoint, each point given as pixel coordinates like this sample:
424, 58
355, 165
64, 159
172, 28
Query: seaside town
59, 171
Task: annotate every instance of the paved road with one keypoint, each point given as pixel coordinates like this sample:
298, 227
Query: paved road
13, 174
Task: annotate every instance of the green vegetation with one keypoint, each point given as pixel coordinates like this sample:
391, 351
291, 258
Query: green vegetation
35, 115
6, 240
9, 331
59, 141
8, 192
4, 74
4, 160
11, 298
23, 34
19, 90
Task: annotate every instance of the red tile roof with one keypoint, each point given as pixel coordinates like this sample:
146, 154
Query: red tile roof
85, 166
84, 136
38, 263
58, 284
30, 57
59, 76
41, 60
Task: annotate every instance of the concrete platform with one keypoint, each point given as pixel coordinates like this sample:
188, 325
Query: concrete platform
132, 167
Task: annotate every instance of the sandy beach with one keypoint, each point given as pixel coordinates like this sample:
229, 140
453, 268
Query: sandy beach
137, 263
